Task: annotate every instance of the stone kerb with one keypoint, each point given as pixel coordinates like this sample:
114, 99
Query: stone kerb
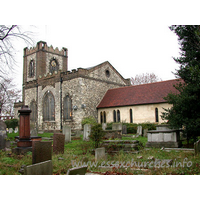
77, 171
86, 132
42, 168
67, 132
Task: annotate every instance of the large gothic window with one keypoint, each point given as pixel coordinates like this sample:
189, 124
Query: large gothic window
33, 111
67, 112
49, 107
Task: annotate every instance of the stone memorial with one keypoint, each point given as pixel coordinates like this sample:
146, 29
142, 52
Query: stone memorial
163, 136
145, 132
100, 154
33, 132
67, 132
10, 130
86, 132
104, 126
124, 129
77, 171
197, 147
42, 168
2, 134
117, 126
58, 143
16, 130
139, 130
41, 151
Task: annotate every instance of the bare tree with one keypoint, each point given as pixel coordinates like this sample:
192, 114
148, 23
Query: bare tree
144, 79
8, 33
8, 96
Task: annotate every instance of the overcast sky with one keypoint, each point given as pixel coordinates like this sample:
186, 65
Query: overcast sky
134, 37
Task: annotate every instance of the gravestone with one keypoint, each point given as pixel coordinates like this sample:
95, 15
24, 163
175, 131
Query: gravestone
10, 130
58, 143
139, 130
77, 171
145, 132
41, 151
16, 130
104, 126
100, 154
42, 168
124, 129
2, 125
86, 132
197, 147
67, 132
33, 132
117, 126
2, 134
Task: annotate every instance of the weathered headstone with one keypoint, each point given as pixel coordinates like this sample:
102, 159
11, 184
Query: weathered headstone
42, 168
117, 126
2, 134
139, 130
58, 143
124, 129
2, 125
86, 132
197, 147
33, 132
100, 154
145, 132
104, 126
41, 151
16, 130
67, 133
77, 171
10, 130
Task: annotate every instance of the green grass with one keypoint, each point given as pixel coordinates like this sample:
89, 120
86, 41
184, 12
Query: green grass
80, 151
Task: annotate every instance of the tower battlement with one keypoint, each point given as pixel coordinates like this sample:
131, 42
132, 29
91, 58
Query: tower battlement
42, 46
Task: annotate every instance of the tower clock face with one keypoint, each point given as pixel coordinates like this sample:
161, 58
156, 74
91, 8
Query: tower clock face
53, 63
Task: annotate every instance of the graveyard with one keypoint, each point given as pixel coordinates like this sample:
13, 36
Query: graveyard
121, 154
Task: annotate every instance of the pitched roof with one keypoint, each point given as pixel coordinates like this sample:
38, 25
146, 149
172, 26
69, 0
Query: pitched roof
140, 94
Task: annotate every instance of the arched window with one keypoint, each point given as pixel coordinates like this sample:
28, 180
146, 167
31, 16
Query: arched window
131, 116
104, 117
49, 107
67, 112
114, 116
156, 115
118, 116
101, 117
33, 111
31, 68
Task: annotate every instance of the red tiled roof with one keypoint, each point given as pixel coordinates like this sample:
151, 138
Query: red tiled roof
140, 94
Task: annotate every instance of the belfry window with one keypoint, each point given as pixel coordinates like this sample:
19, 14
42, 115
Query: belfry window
49, 107
67, 108
31, 69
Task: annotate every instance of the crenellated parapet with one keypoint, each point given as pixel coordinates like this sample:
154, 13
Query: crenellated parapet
42, 46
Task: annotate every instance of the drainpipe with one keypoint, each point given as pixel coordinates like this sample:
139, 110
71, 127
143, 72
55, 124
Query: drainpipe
61, 81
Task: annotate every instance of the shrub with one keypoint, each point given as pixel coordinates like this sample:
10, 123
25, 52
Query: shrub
88, 120
97, 135
13, 123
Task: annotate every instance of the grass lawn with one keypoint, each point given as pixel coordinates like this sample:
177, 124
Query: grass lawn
79, 152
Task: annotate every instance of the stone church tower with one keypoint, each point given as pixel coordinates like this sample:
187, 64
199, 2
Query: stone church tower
57, 96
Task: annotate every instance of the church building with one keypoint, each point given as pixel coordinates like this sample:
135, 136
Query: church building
57, 96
